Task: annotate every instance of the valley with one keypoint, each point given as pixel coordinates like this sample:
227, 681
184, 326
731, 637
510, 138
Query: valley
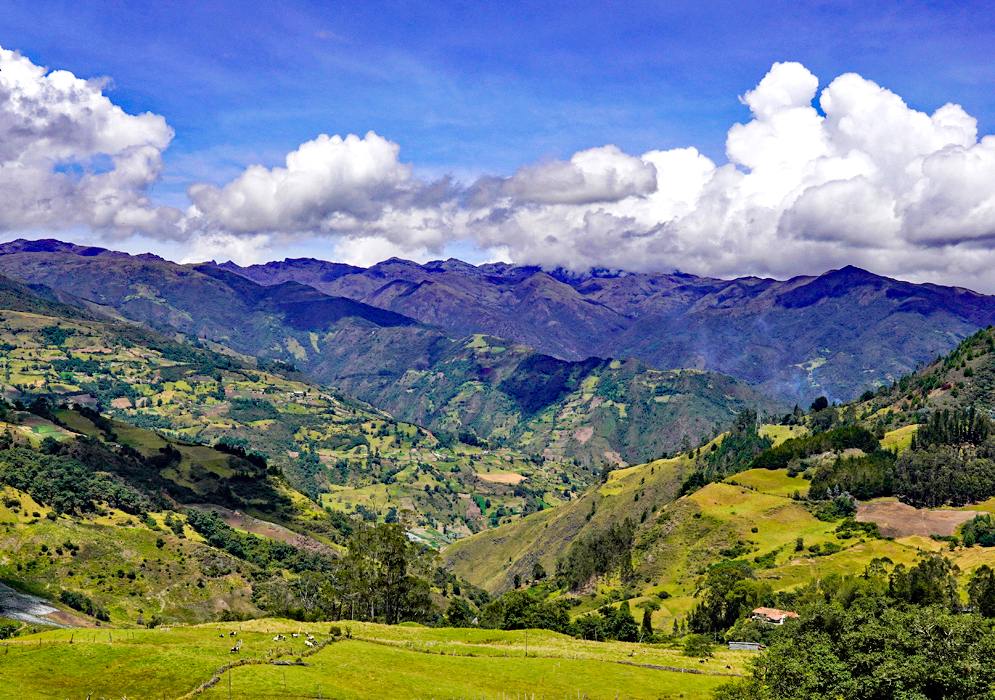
325, 442
419, 373
161, 476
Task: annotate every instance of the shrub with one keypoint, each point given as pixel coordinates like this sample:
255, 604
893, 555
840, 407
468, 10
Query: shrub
698, 645
78, 601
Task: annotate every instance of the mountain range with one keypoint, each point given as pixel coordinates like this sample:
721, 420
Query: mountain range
601, 366
596, 410
837, 334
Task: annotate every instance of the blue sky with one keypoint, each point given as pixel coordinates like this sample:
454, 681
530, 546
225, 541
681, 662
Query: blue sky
483, 89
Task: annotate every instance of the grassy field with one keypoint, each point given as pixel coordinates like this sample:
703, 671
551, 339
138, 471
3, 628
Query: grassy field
377, 662
774, 482
780, 433
899, 439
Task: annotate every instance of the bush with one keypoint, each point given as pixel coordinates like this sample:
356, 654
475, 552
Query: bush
82, 603
698, 645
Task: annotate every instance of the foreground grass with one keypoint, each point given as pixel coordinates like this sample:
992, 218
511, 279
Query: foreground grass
379, 662
361, 670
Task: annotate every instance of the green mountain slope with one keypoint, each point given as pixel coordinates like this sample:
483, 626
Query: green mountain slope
362, 460
595, 410
777, 505
113, 559
413, 371
836, 334
754, 518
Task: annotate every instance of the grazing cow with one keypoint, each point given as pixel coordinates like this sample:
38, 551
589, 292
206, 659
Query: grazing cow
309, 643
232, 633
294, 635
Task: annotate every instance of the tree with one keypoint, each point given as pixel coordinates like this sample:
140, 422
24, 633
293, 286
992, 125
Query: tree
619, 623
521, 609
538, 572
308, 588
728, 588
380, 576
698, 645
932, 581
649, 607
820, 404
981, 591
459, 614
872, 651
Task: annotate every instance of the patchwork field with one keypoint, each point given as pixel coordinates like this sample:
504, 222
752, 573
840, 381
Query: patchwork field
333, 448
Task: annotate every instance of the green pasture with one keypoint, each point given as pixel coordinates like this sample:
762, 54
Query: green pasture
378, 662
900, 439
781, 433
774, 482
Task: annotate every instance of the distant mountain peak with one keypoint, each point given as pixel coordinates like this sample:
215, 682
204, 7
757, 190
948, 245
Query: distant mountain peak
52, 245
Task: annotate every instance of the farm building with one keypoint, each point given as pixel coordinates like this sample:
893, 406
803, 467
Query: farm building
772, 615
746, 646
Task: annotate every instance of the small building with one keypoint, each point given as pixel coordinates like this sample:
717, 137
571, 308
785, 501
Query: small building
772, 615
746, 646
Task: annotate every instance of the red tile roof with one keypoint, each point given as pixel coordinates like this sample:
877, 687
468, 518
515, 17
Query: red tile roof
774, 613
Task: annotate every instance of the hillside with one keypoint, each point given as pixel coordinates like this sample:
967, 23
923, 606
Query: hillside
113, 557
935, 430
93, 518
595, 410
793, 503
415, 372
324, 441
837, 334
754, 516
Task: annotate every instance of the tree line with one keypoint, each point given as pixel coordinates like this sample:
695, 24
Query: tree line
891, 632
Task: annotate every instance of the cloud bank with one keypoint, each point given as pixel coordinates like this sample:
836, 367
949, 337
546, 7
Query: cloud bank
860, 179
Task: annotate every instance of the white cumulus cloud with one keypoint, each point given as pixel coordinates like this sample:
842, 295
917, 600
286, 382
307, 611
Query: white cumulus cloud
862, 178
603, 174
70, 157
346, 187
868, 181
